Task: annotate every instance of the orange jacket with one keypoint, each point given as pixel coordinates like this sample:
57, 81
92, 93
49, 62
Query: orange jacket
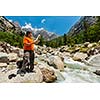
28, 40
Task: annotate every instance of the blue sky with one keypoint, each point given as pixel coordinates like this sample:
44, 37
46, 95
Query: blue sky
57, 24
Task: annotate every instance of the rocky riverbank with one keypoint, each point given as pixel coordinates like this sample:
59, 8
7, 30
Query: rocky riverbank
64, 64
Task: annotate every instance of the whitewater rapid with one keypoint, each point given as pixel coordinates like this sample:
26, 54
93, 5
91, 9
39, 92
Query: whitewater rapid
77, 72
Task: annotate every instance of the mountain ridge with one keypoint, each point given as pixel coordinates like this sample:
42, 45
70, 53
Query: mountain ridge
79, 25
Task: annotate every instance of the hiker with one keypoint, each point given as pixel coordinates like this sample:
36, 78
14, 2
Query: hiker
28, 47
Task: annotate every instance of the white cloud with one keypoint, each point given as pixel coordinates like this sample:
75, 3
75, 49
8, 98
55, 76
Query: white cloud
28, 25
37, 29
43, 21
10, 20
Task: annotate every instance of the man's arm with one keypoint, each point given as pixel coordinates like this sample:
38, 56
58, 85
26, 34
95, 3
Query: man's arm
28, 44
37, 39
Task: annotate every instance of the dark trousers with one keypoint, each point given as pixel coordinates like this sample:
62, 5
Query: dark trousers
31, 58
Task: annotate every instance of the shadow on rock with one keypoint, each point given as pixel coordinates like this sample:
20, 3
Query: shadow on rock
11, 76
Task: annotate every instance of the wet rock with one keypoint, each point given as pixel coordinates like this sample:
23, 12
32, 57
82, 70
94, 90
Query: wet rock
59, 75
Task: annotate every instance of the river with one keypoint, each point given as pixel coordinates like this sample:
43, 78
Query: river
77, 72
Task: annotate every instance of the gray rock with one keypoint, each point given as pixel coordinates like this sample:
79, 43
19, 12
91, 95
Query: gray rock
3, 65
27, 78
78, 56
12, 57
86, 44
92, 45
3, 57
56, 62
21, 53
1, 49
48, 75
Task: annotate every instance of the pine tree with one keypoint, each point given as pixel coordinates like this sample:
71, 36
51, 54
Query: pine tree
41, 43
65, 39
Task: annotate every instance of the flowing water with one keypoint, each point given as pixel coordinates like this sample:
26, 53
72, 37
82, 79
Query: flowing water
77, 72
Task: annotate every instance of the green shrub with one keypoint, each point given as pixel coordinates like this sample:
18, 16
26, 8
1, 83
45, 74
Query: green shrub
12, 39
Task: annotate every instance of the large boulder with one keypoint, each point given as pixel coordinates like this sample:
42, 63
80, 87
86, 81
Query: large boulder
56, 62
35, 77
84, 49
12, 57
3, 65
64, 49
48, 75
11, 66
3, 57
15, 49
93, 51
21, 53
42, 57
92, 45
66, 54
1, 49
49, 49
79, 56
95, 60
4, 46
86, 44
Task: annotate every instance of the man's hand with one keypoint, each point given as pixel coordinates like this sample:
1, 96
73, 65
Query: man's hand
39, 36
37, 41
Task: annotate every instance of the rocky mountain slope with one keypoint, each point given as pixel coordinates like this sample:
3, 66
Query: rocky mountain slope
7, 26
79, 26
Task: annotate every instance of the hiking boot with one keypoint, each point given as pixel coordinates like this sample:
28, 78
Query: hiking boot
21, 72
27, 70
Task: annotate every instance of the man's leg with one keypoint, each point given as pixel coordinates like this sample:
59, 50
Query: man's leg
25, 60
31, 60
